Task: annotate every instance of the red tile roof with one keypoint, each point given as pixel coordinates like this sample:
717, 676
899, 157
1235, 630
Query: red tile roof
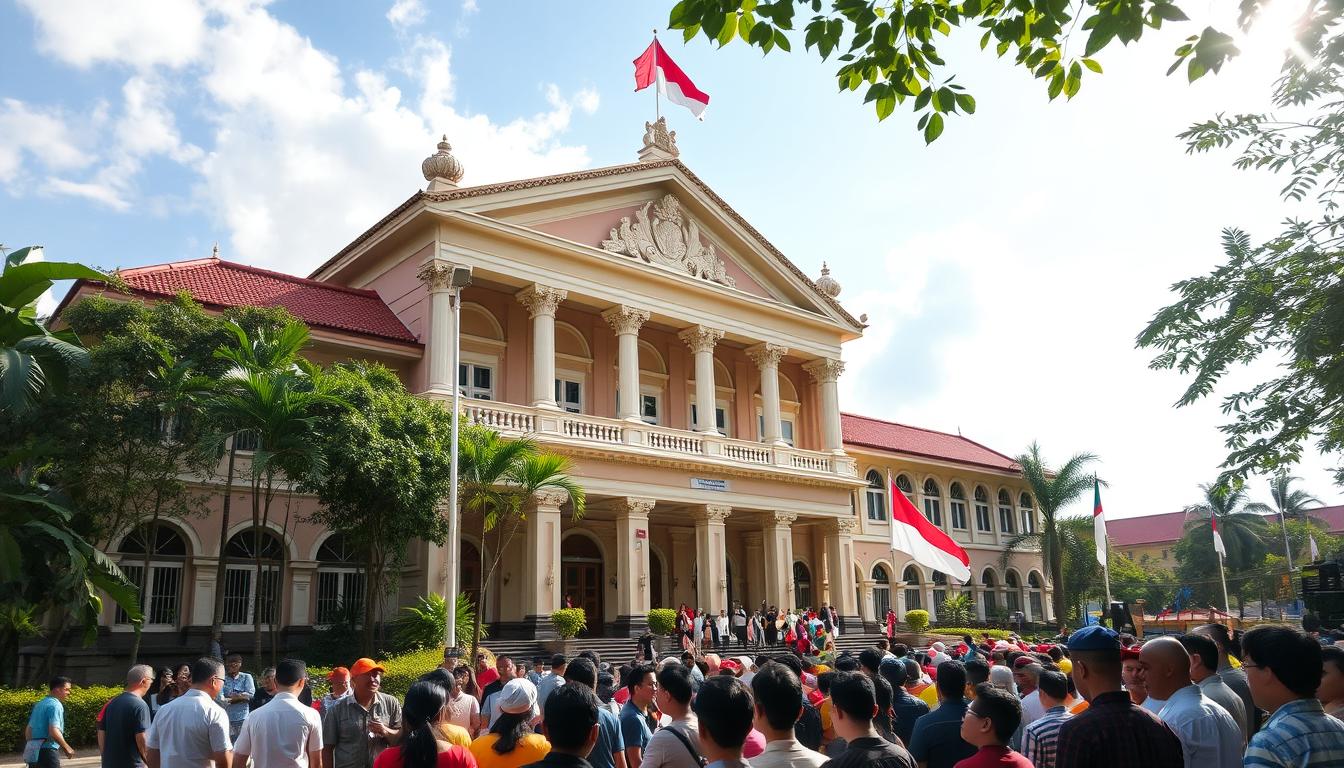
889, 436
228, 284
1170, 526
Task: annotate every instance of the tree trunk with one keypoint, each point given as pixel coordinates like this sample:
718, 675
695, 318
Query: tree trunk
284, 551
373, 576
48, 659
1058, 600
257, 531
221, 570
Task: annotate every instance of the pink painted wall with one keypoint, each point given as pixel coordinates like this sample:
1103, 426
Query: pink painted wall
408, 298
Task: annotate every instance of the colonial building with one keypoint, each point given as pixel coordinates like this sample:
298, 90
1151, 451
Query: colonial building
1151, 539
627, 317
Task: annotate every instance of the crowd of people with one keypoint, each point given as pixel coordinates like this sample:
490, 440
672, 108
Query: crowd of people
1095, 699
807, 630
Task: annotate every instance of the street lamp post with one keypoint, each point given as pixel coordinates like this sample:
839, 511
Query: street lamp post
461, 279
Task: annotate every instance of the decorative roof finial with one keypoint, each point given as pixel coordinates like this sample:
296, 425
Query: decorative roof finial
659, 143
214, 252
441, 169
827, 284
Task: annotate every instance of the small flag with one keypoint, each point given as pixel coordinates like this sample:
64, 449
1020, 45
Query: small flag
927, 545
655, 65
1098, 522
1315, 553
1217, 537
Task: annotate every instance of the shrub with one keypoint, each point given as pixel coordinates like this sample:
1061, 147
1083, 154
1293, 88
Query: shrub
997, 634
569, 622
81, 711
662, 621
917, 620
957, 609
400, 672
424, 625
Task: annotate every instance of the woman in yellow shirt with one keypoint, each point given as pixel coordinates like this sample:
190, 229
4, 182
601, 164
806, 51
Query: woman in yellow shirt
511, 742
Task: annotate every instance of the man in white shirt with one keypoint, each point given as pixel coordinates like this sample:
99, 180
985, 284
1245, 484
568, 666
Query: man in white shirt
284, 733
1204, 672
1209, 736
778, 697
676, 745
1027, 676
192, 731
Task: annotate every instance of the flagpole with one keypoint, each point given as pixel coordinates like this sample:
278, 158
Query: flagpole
1227, 607
1288, 553
657, 106
1105, 566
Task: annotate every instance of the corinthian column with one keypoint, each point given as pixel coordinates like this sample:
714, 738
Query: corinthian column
767, 357
826, 373
626, 322
437, 275
541, 302
777, 533
632, 566
839, 541
711, 553
701, 340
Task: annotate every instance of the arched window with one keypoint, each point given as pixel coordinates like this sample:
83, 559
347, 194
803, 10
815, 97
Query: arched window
876, 496
908, 488
1028, 514
914, 588
881, 592
1012, 594
340, 581
939, 592
1006, 524
990, 600
1034, 596
933, 509
802, 585
958, 506
161, 594
983, 520
247, 596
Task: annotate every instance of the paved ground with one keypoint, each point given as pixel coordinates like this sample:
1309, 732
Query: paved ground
84, 758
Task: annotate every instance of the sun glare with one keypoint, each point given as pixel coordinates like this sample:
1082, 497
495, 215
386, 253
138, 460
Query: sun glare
1273, 32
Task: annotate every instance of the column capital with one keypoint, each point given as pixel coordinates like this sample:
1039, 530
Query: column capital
824, 370
712, 513
767, 355
638, 506
436, 274
549, 498
842, 526
625, 319
700, 338
541, 299
777, 519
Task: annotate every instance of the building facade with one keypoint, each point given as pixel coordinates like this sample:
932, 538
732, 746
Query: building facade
626, 317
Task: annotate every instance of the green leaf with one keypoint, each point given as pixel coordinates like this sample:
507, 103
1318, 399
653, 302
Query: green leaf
1169, 13
922, 100
1056, 84
885, 106
688, 34
966, 102
1093, 65
782, 41
729, 30
1100, 37
17, 280
744, 26
934, 129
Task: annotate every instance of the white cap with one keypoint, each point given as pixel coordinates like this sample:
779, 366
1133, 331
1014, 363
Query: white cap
518, 696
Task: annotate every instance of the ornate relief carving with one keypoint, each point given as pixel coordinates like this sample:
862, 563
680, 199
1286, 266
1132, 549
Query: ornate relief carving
639, 506
780, 518
656, 135
767, 355
700, 339
824, 369
845, 526
550, 498
541, 299
436, 274
623, 319
712, 513
669, 239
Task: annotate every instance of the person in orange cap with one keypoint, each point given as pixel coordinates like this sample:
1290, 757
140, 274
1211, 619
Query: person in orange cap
358, 727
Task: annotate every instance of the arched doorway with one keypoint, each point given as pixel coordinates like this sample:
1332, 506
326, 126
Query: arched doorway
914, 589
583, 579
881, 593
802, 586
656, 597
469, 574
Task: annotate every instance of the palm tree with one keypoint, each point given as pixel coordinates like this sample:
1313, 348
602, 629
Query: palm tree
497, 478
1241, 524
1291, 503
1054, 490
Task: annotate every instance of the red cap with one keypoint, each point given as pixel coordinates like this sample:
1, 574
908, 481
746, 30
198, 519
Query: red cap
364, 666
338, 672
1129, 654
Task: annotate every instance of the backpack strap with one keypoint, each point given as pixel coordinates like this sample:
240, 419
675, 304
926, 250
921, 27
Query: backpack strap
687, 743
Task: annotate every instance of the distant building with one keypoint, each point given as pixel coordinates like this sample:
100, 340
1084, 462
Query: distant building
1151, 539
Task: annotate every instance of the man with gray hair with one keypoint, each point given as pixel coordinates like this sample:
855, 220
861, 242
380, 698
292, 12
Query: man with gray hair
1027, 677
121, 731
266, 692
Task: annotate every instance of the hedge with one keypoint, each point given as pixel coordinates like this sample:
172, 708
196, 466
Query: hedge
662, 621
81, 712
400, 672
917, 620
569, 622
997, 634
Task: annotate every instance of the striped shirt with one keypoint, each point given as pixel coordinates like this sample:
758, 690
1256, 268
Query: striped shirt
1299, 734
1041, 735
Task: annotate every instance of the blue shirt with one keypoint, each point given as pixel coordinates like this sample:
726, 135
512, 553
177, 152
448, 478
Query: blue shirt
46, 713
937, 740
1298, 734
609, 740
908, 710
634, 727
240, 683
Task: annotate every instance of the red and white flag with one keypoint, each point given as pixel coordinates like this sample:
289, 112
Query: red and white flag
655, 65
1098, 523
922, 541
1217, 537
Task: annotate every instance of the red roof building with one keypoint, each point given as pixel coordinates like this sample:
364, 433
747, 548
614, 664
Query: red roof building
1154, 536
924, 443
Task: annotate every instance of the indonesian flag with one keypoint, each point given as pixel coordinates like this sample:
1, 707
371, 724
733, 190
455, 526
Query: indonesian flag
918, 538
1315, 553
1217, 537
1098, 523
655, 64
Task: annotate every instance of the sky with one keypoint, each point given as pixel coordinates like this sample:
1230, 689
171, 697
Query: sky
1005, 270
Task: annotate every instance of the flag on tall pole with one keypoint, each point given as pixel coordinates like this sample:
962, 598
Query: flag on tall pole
654, 66
1099, 533
1315, 553
925, 543
1222, 552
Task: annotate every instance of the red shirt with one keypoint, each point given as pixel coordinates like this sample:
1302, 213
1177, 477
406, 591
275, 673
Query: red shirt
455, 757
990, 757
487, 677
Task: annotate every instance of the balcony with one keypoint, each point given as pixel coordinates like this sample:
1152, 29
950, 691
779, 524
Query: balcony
604, 437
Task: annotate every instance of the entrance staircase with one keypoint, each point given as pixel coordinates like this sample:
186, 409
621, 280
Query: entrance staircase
621, 650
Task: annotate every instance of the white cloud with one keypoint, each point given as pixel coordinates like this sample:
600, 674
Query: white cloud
469, 7
587, 100
406, 13
36, 133
141, 33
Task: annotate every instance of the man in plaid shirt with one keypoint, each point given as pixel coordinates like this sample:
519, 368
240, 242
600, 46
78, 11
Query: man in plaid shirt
1041, 736
1283, 667
1113, 732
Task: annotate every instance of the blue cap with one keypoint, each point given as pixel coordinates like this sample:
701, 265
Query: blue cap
1094, 638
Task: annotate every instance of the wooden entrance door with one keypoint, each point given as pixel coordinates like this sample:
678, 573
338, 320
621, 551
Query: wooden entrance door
583, 585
